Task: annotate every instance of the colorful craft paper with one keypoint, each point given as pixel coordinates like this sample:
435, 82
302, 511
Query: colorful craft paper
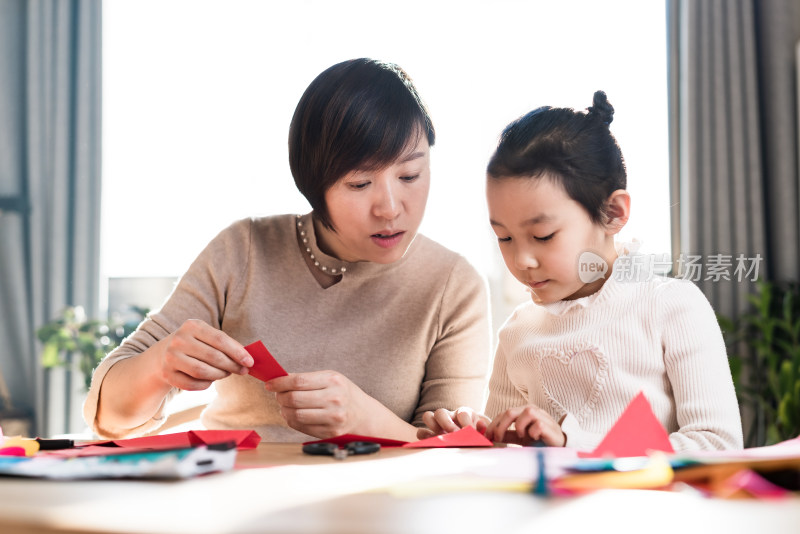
266, 367
466, 437
636, 433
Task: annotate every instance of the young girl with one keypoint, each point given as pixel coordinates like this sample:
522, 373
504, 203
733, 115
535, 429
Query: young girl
601, 327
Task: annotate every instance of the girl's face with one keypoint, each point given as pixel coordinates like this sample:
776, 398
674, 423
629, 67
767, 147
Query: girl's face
542, 234
376, 214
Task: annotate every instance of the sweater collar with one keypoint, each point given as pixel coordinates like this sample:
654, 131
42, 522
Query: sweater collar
352, 269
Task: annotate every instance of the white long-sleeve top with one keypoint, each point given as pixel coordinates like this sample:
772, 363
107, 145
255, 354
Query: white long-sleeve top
586, 359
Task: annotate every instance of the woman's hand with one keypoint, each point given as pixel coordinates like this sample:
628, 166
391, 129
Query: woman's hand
325, 404
196, 354
444, 421
531, 424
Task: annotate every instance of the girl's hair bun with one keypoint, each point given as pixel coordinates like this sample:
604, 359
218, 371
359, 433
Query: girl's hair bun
601, 108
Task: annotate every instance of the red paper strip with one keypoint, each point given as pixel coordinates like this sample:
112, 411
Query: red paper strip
266, 367
244, 439
466, 437
636, 433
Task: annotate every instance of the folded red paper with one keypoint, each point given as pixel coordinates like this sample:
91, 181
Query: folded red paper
244, 439
636, 433
266, 367
466, 437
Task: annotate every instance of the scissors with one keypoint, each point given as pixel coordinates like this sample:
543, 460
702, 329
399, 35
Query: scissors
340, 453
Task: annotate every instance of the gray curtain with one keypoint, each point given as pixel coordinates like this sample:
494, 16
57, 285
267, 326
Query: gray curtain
49, 191
734, 145
733, 131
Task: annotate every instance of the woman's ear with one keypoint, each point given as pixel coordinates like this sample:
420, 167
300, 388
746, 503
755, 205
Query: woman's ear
618, 211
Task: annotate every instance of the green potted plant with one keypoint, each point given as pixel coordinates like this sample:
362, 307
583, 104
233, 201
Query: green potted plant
764, 351
72, 333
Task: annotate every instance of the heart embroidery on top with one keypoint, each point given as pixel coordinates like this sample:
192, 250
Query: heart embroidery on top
571, 379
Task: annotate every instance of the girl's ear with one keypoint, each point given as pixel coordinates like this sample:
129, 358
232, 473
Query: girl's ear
618, 210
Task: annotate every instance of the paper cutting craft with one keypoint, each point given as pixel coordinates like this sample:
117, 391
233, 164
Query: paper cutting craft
266, 367
244, 439
636, 433
466, 437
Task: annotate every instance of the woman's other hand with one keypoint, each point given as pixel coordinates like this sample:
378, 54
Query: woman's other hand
443, 421
531, 424
196, 354
325, 404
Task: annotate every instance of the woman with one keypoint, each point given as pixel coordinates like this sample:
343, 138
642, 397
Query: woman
375, 324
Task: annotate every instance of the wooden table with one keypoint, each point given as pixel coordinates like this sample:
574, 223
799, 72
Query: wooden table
403, 491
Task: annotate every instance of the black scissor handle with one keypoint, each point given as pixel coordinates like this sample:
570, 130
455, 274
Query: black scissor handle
362, 447
331, 449
325, 449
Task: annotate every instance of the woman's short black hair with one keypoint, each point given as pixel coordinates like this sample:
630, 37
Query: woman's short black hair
574, 148
356, 115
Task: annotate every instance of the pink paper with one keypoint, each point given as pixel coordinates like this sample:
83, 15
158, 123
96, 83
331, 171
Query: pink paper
266, 367
636, 433
752, 483
466, 437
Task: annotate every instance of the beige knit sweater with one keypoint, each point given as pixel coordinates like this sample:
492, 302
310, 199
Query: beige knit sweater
413, 334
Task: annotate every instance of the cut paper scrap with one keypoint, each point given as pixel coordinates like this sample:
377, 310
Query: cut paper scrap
466, 437
266, 367
344, 439
244, 439
747, 483
29, 446
636, 433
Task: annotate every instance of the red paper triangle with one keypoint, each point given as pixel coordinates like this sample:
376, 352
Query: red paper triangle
466, 437
636, 432
266, 367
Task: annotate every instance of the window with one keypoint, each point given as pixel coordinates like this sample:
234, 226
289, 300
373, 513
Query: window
198, 96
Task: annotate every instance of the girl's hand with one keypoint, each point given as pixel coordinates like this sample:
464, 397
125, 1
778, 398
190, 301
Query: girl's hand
531, 423
444, 421
323, 404
197, 354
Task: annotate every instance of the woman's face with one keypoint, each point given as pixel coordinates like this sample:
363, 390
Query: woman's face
376, 214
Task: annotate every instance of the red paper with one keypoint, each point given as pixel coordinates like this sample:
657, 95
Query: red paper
265, 367
636, 432
344, 439
244, 439
466, 437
